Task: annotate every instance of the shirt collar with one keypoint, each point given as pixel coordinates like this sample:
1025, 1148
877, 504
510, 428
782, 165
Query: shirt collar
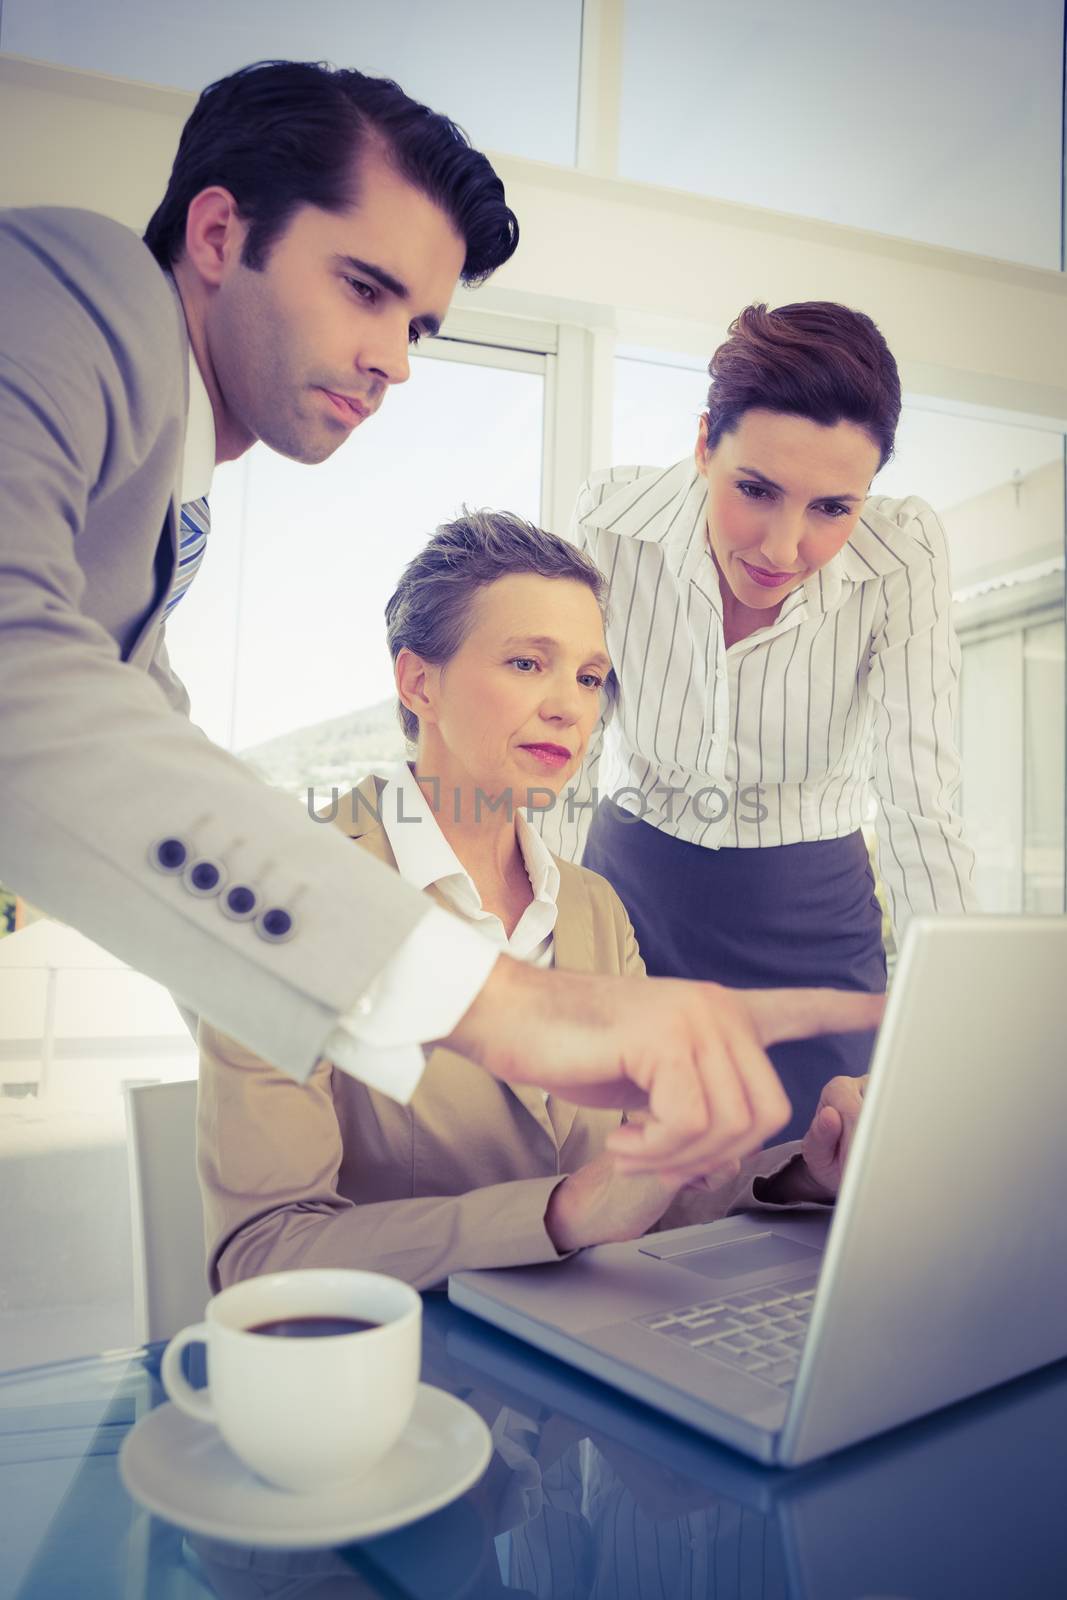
198, 461
423, 855
870, 551
540, 866
668, 507
665, 506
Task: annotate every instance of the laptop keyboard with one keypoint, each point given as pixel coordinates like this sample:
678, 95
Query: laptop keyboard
761, 1331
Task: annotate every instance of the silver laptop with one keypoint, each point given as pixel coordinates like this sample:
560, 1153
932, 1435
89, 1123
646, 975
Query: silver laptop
943, 1273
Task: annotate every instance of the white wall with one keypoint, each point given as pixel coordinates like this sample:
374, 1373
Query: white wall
518, 89
1008, 528
936, 121
659, 267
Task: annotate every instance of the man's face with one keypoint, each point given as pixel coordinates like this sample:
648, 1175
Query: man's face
304, 350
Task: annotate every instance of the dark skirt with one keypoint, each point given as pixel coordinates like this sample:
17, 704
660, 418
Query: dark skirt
784, 916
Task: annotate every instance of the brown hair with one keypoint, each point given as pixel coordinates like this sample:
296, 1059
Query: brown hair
817, 360
429, 612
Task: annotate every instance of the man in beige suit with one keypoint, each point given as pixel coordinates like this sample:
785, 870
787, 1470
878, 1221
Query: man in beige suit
497, 636
315, 225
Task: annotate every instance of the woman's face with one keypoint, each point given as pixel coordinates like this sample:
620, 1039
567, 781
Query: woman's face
784, 494
514, 707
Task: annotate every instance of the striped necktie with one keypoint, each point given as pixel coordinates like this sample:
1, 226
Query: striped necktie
192, 542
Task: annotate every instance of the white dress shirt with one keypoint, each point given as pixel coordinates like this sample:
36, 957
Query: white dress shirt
198, 456
414, 995
379, 1040
779, 738
425, 859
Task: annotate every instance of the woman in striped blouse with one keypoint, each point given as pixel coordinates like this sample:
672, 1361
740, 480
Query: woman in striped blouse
782, 645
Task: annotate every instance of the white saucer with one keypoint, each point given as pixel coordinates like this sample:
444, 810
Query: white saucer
180, 1469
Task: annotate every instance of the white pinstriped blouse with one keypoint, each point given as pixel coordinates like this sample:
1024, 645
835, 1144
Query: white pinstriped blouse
780, 738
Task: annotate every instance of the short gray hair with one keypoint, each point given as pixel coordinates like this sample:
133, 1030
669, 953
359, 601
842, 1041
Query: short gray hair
429, 612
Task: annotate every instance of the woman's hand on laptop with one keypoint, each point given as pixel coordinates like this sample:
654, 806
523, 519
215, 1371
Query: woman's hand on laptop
692, 1054
815, 1175
828, 1140
596, 1205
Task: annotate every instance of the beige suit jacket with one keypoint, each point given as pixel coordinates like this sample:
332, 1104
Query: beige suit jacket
94, 364
331, 1173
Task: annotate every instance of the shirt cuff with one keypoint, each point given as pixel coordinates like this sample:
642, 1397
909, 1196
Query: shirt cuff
418, 996
765, 1177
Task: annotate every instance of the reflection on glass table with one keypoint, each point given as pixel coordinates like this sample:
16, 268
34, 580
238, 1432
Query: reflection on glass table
588, 1494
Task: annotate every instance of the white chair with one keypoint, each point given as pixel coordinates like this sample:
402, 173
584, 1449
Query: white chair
170, 1284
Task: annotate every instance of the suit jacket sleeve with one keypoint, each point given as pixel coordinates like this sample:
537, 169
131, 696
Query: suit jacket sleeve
420, 1194
162, 673
95, 765
269, 1153
631, 962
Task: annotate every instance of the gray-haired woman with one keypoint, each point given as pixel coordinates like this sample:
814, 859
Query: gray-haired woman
498, 643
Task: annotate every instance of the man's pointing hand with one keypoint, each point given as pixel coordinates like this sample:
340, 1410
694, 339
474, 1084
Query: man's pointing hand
692, 1054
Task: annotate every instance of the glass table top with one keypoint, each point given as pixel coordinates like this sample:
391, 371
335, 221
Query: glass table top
588, 1494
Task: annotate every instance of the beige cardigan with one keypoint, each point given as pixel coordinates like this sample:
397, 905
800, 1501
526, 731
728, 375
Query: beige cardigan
331, 1173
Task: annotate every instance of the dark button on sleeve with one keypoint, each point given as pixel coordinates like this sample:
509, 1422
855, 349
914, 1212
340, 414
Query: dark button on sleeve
275, 925
204, 877
239, 903
168, 855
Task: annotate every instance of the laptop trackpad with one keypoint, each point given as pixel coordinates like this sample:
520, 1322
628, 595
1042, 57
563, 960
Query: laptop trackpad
734, 1257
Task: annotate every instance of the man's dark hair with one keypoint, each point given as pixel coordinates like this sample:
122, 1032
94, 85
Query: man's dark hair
282, 134
431, 611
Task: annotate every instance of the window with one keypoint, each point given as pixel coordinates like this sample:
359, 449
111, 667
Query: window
658, 402
999, 490
508, 74
281, 641
1044, 759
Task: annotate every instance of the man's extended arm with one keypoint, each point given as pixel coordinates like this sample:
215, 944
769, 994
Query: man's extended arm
96, 769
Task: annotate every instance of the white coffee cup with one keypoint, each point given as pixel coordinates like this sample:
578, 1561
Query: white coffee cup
305, 1412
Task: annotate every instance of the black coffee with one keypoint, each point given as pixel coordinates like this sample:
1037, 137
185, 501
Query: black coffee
312, 1327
